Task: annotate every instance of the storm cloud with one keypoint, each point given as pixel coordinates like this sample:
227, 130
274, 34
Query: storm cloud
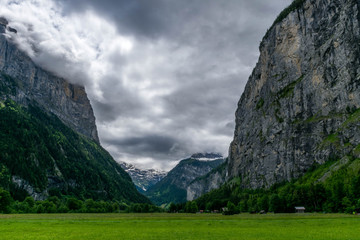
163, 76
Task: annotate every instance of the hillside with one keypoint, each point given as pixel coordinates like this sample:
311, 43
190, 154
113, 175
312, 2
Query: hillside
331, 187
172, 188
42, 157
29, 82
48, 139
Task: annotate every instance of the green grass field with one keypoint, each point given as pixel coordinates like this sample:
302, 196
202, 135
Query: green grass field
179, 226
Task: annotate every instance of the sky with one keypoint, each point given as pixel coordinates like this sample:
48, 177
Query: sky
163, 76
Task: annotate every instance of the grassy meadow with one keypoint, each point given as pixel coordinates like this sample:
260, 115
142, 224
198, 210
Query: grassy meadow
179, 226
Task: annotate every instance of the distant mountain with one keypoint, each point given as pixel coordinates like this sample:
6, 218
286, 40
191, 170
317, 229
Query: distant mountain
172, 188
143, 179
48, 139
206, 156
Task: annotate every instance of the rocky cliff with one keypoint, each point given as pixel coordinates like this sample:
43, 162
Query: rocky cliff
203, 184
301, 103
48, 139
67, 101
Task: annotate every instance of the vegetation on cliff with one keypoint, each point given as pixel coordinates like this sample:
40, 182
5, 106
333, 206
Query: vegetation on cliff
42, 156
172, 188
296, 4
331, 187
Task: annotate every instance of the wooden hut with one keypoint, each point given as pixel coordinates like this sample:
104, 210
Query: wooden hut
300, 209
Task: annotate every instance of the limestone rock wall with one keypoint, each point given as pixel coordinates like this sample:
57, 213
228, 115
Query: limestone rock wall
68, 101
301, 103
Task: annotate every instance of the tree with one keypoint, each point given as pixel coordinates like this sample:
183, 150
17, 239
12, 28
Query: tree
73, 204
231, 208
194, 207
5, 200
172, 207
274, 203
29, 201
188, 207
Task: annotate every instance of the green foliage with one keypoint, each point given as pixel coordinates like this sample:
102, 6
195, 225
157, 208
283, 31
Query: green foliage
230, 209
5, 201
191, 207
288, 90
73, 204
35, 145
296, 4
260, 104
143, 208
168, 190
70, 205
8, 85
172, 208
164, 193
331, 187
330, 139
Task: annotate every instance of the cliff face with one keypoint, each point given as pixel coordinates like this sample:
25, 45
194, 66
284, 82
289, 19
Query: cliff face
48, 137
212, 180
67, 101
301, 103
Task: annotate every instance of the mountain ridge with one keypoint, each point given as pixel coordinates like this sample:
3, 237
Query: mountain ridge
300, 103
172, 188
300, 106
67, 101
143, 178
49, 144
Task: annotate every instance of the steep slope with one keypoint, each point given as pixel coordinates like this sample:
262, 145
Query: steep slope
330, 187
48, 137
41, 156
143, 179
301, 103
172, 188
67, 101
203, 184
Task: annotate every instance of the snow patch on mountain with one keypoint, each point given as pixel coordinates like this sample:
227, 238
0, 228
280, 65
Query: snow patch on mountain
143, 178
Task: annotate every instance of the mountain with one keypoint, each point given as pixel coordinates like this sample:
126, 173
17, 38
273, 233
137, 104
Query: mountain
331, 187
143, 179
55, 95
48, 138
203, 184
172, 188
301, 104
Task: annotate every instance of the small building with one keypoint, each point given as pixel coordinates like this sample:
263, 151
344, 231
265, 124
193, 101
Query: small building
300, 209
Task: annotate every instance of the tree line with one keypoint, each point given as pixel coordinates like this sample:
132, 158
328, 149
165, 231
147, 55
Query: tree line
338, 192
69, 204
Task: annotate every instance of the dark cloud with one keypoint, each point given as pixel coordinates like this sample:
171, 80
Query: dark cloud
146, 145
164, 76
139, 17
212, 48
159, 18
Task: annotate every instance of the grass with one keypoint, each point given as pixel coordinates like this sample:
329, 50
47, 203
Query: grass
289, 89
179, 226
